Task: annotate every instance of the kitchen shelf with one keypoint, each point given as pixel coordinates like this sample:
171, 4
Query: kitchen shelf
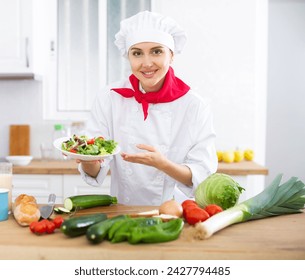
48, 167
242, 168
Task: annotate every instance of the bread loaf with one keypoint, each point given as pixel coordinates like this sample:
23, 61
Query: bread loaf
25, 210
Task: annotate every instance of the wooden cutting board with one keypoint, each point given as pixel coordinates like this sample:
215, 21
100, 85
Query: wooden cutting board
19, 140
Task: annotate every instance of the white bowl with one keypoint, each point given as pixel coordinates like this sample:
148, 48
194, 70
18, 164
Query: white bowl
19, 160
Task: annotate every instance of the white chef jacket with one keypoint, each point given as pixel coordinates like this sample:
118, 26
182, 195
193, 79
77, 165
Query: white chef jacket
182, 130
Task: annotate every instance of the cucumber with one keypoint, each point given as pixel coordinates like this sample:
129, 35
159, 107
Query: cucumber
88, 201
77, 226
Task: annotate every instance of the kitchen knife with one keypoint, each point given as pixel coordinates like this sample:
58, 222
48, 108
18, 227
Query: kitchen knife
47, 210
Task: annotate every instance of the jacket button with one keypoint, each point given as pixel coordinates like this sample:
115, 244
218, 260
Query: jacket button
128, 171
163, 148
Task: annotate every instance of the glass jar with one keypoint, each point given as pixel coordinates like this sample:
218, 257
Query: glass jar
6, 174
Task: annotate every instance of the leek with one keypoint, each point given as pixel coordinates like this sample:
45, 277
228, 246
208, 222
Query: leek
276, 199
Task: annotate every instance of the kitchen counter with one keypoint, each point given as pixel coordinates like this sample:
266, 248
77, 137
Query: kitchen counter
70, 167
274, 238
47, 167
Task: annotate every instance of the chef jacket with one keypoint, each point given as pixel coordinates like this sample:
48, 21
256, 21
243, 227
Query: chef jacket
182, 130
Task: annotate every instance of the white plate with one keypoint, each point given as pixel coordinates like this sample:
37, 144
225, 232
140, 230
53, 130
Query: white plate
57, 144
19, 160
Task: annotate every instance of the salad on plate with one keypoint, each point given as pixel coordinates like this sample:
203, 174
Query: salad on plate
83, 147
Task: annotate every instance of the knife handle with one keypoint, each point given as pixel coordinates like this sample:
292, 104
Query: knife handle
52, 198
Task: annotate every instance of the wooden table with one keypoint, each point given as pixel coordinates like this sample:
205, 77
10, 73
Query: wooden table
274, 238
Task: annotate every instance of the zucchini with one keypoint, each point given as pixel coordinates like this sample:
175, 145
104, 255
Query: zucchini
88, 201
77, 226
61, 210
99, 231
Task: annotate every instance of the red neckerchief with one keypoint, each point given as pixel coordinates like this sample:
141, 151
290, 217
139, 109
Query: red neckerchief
172, 89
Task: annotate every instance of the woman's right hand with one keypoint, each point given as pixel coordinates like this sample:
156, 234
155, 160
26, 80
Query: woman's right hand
91, 168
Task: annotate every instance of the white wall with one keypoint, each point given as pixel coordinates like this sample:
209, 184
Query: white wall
285, 146
21, 103
221, 60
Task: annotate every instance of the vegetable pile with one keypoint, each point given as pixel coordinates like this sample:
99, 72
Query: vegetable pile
205, 214
89, 146
276, 199
135, 230
140, 229
97, 228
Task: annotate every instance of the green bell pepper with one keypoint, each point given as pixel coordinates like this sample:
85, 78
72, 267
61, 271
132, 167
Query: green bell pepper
120, 231
163, 232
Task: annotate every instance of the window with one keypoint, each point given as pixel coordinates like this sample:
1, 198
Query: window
78, 50
116, 11
83, 55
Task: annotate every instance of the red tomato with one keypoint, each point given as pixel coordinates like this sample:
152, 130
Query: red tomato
213, 209
40, 227
58, 221
188, 202
196, 215
50, 227
90, 141
187, 205
32, 226
188, 208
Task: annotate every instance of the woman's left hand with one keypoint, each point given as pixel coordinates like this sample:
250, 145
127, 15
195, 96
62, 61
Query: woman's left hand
150, 156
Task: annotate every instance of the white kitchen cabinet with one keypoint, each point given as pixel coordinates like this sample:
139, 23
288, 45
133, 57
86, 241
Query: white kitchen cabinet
40, 186
15, 36
26, 38
74, 185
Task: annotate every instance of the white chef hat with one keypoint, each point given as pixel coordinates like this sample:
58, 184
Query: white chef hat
150, 27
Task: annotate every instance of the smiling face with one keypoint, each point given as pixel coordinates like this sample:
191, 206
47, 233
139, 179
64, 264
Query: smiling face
149, 63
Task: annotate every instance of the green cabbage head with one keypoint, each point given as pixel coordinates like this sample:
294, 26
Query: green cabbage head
219, 189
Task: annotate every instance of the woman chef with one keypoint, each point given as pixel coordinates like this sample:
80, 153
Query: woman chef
163, 127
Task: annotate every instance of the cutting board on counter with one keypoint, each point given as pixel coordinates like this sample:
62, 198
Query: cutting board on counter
19, 140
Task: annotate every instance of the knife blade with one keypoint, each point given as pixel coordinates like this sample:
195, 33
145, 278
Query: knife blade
47, 210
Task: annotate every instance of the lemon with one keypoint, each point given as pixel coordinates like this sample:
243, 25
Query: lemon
249, 154
219, 155
238, 155
228, 156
